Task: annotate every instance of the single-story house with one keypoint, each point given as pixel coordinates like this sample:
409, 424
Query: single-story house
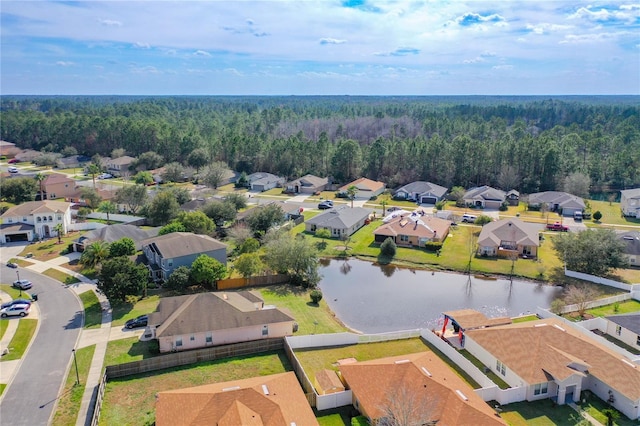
113, 233
119, 166
56, 185
509, 236
167, 252
631, 240
413, 230
556, 201
421, 192
625, 327
630, 202
261, 181
8, 149
484, 197
307, 184
513, 197
215, 318
341, 221
276, 399
367, 188
72, 162
421, 381
552, 359
34, 220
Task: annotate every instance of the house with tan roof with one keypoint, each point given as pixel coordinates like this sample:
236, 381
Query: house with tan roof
421, 381
34, 219
216, 318
630, 202
413, 230
165, 253
57, 185
553, 360
307, 184
273, 400
120, 165
509, 237
367, 188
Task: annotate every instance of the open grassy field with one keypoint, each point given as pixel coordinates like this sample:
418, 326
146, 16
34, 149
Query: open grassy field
71, 396
22, 338
131, 400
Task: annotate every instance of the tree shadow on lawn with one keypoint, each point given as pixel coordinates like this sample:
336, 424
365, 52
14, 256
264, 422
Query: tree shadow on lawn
145, 349
285, 290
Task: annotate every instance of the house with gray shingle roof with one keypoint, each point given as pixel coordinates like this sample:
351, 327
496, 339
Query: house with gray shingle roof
261, 181
625, 327
630, 202
509, 236
556, 201
216, 318
165, 253
421, 192
631, 240
113, 233
484, 197
341, 221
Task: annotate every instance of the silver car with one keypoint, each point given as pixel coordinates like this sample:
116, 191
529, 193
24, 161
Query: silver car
19, 310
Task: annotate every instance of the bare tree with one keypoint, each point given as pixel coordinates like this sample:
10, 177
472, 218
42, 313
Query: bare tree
508, 178
406, 407
580, 296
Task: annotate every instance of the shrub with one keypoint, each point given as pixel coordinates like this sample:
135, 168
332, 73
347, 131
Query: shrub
440, 205
249, 245
483, 220
597, 216
504, 206
316, 296
388, 247
433, 246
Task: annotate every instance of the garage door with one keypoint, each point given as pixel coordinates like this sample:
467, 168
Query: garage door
428, 200
16, 237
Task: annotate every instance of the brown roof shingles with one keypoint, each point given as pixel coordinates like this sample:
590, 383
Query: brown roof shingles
469, 319
364, 184
36, 207
420, 226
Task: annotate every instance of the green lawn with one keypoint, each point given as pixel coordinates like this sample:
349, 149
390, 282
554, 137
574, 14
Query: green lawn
3, 328
50, 249
594, 407
340, 416
71, 396
480, 366
61, 276
126, 311
525, 318
628, 306
3, 386
12, 292
131, 400
20, 341
540, 413
127, 350
92, 309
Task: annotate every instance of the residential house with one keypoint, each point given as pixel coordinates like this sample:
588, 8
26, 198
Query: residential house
72, 162
484, 197
167, 252
8, 149
119, 166
34, 220
341, 221
421, 192
631, 240
57, 185
630, 202
626, 328
274, 400
290, 211
27, 155
113, 233
261, 181
509, 237
513, 197
436, 392
556, 201
366, 188
552, 359
307, 184
413, 230
216, 318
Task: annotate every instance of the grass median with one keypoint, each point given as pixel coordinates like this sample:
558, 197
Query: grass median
60, 276
22, 338
92, 309
71, 397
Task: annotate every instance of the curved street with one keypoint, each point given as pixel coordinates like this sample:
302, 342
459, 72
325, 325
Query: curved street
31, 396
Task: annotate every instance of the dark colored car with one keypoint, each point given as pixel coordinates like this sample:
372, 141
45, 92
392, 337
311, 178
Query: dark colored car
15, 302
324, 205
12, 265
140, 321
13, 161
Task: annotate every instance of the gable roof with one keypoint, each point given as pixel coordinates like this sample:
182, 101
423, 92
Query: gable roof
115, 232
37, 207
633, 193
274, 400
178, 244
341, 217
629, 321
534, 349
432, 386
202, 312
310, 180
484, 192
422, 187
120, 161
562, 199
513, 229
631, 239
415, 225
363, 184
468, 319
55, 178
263, 178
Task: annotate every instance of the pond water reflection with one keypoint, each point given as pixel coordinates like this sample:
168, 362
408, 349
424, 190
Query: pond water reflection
374, 298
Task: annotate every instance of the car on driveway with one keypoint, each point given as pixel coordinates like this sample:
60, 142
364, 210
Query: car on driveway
12, 265
140, 321
22, 284
105, 176
15, 311
13, 161
12, 169
15, 302
326, 204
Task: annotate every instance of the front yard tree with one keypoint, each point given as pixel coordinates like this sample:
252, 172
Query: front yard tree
215, 174
594, 251
172, 172
483, 220
93, 170
181, 194
248, 264
206, 270
198, 158
40, 178
263, 218
351, 193
456, 194
121, 277
238, 200
95, 254
163, 208
196, 222
179, 279
143, 178
132, 196
59, 232
597, 216
125, 246
577, 184
18, 190
220, 212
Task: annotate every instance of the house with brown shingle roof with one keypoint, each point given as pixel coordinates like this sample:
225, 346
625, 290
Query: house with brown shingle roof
421, 381
216, 318
274, 400
553, 360
509, 236
32, 219
413, 230
367, 188
307, 184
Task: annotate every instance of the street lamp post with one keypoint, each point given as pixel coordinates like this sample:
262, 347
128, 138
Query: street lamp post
75, 361
19, 285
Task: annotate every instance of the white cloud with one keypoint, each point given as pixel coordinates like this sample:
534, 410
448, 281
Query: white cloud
502, 67
110, 23
593, 37
202, 53
627, 13
328, 40
141, 45
145, 70
64, 63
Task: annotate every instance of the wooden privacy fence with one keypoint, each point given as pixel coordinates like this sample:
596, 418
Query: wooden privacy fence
252, 281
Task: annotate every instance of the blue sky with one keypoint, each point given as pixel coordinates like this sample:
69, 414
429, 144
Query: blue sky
323, 47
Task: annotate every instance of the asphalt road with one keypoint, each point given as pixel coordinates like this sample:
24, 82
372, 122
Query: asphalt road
31, 397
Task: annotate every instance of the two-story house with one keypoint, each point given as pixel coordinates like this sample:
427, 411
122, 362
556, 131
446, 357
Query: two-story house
167, 252
34, 220
630, 202
120, 165
57, 185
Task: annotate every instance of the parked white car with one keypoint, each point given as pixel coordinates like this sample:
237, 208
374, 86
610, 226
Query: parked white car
105, 176
19, 310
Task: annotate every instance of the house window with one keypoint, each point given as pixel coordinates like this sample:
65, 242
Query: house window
265, 330
500, 367
404, 238
178, 341
618, 330
638, 341
51, 218
9, 220
24, 219
39, 219
170, 262
59, 217
192, 338
335, 232
540, 388
209, 338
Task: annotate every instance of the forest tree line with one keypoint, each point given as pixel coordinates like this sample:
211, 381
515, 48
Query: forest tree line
529, 144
